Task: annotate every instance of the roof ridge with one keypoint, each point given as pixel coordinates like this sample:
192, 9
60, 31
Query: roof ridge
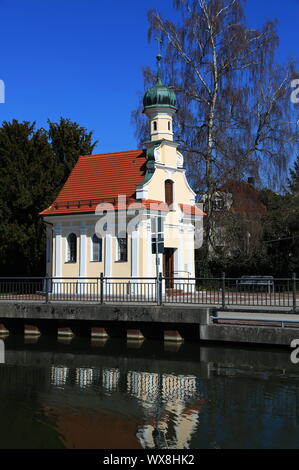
122, 152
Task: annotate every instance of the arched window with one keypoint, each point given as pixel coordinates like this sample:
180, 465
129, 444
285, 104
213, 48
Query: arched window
169, 192
155, 125
72, 248
169, 125
96, 248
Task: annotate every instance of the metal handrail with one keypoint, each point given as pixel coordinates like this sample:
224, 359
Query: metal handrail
221, 291
129, 277
262, 320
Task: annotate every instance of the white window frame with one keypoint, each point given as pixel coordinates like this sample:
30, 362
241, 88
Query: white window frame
117, 250
91, 249
66, 251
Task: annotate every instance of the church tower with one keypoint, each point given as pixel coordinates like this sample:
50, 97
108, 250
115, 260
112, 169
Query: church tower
159, 106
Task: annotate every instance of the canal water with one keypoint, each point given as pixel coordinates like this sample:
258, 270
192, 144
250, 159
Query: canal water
114, 394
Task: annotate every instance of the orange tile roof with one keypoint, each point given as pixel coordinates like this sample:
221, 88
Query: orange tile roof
98, 178
191, 210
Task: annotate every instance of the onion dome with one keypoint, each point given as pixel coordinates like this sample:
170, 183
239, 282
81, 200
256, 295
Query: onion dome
159, 95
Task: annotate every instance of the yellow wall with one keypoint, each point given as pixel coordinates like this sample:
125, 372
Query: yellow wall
165, 169
94, 268
162, 119
121, 268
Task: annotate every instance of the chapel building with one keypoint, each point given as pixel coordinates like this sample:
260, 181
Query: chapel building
117, 209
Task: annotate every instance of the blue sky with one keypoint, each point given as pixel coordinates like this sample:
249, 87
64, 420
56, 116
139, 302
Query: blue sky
82, 59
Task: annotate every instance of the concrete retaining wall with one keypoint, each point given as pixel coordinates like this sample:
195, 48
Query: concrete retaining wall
193, 318
249, 334
114, 313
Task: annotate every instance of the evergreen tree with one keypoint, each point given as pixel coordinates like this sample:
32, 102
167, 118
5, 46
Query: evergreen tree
34, 163
68, 141
26, 163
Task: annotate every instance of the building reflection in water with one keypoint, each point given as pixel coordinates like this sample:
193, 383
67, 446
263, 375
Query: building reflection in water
89, 401
59, 376
170, 403
144, 386
110, 379
174, 408
84, 377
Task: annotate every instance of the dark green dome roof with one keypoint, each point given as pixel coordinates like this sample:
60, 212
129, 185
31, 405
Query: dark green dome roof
159, 95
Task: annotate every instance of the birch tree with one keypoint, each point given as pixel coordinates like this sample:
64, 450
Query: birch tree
235, 115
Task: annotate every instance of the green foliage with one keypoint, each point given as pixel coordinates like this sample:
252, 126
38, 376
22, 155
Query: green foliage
281, 232
68, 141
275, 250
34, 164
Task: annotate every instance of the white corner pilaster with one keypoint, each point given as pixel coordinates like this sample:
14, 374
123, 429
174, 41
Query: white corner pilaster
58, 251
149, 249
186, 245
191, 254
56, 285
134, 262
83, 238
49, 253
108, 256
134, 254
181, 267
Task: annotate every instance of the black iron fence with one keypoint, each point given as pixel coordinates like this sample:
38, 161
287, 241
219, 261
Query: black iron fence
222, 292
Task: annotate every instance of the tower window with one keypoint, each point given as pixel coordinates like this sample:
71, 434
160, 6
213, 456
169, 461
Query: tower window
155, 125
169, 125
72, 248
169, 192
